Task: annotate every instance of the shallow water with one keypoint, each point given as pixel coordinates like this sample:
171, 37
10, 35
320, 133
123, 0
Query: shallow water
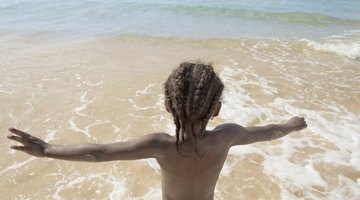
199, 19
101, 91
93, 72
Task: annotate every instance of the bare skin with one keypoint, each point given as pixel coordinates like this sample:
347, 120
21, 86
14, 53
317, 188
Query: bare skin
185, 176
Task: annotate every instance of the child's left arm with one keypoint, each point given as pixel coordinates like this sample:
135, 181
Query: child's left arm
149, 146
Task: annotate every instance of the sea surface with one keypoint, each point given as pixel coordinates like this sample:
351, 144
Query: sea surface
93, 72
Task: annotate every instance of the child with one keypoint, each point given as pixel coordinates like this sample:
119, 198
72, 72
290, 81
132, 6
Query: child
191, 160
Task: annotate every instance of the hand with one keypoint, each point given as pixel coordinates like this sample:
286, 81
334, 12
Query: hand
297, 123
31, 145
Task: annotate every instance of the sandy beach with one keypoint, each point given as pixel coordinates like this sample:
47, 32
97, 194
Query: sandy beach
110, 89
93, 72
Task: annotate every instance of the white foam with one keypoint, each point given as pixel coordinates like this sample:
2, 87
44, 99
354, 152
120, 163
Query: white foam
145, 90
351, 50
75, 128
137, 107
331, 123
77, 76
339, 127
89, 83
120, 132
153, 164
119, 189
76, 181
346, 44
86, 130
50, 134
6, 91
85, 102
288, 172
238, 105
17, 165
101, 179
347, 189
225, 171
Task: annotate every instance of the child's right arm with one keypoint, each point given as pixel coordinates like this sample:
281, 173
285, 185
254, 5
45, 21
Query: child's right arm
149, 146
238, 135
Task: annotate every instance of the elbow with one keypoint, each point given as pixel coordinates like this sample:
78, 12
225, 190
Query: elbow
94, 156
275, 134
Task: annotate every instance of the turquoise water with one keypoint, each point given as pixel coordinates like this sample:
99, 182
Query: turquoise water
200, 19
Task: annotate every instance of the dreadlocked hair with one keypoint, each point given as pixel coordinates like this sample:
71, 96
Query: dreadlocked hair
191, 93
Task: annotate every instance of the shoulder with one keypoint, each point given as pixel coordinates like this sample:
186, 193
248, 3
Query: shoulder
148, 146
156, 140
229, 133
229, 128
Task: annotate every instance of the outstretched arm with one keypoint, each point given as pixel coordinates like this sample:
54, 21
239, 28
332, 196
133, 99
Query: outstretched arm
238, 135
149, 146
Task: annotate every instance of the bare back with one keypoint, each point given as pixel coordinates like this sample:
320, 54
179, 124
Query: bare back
189, 176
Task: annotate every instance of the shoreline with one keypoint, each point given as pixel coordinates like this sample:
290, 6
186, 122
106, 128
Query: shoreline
100, 90
345, 44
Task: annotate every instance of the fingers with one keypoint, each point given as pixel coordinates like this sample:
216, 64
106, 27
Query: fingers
20, 148
16, 138
298, 123
19, 133
304, 125
303, 120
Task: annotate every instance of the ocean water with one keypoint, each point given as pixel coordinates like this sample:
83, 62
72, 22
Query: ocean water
92, 71
225, 19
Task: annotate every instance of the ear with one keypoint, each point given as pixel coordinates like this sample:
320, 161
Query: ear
217, 109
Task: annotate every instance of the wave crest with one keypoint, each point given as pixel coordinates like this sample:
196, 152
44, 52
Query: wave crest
347, 44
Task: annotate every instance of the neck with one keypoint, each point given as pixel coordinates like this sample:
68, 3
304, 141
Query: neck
189, 130
189, 146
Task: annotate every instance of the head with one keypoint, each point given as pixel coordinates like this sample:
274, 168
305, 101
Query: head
192, 96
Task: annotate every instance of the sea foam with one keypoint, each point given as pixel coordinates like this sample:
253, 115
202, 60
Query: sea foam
346, 44
302, 177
